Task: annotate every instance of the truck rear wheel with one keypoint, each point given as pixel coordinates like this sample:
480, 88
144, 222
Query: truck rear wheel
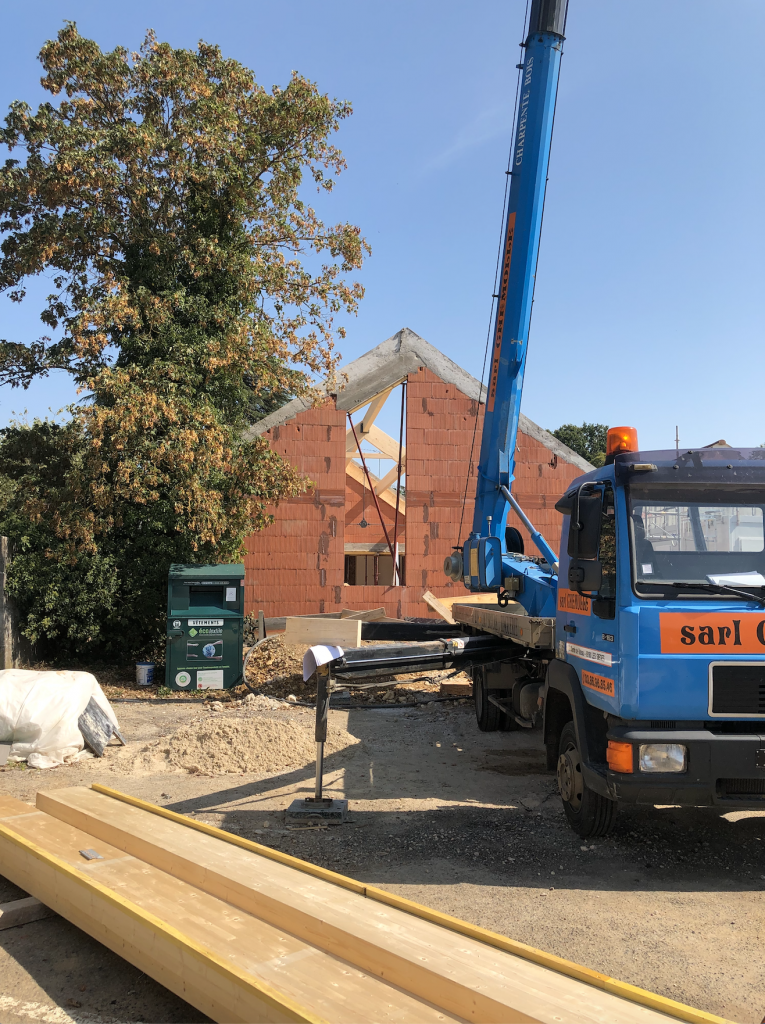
588, 813
488, 716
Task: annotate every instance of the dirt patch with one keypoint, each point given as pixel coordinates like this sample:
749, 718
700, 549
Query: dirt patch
263, 746
258, 736
521, 763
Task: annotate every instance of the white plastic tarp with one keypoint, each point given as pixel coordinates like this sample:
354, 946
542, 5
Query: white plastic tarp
39, 712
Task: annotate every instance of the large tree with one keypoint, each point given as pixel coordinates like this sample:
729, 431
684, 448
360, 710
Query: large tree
164, 194
589, 440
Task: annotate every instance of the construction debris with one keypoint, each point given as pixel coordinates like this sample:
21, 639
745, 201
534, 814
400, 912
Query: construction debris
278, 665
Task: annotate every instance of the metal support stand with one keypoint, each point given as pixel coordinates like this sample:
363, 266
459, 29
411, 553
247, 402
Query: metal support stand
318, 808
322, 713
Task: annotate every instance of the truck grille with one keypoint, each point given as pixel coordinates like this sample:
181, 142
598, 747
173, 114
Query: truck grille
741, 788
738, 689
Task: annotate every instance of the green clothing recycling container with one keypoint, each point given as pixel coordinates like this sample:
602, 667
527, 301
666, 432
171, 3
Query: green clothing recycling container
205, 622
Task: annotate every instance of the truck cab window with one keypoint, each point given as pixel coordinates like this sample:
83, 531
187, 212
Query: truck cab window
694, 535
604, 606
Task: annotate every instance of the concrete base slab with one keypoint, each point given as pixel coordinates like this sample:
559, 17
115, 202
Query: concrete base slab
326, 812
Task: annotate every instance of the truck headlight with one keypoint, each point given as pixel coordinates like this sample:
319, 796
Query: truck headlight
663, 757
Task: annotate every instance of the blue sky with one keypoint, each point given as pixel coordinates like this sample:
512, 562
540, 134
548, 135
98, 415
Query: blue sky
649, 301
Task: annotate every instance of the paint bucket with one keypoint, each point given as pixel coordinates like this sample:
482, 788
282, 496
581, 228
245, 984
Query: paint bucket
144, 673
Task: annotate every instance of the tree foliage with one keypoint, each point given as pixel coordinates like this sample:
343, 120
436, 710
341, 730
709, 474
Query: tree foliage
589, 440
193, 291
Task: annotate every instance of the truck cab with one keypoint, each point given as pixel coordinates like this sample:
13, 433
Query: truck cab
656, 691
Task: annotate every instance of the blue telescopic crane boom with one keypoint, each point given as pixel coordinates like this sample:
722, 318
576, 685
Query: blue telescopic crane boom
530, 155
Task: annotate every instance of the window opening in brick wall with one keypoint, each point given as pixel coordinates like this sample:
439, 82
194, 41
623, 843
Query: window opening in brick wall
373, 570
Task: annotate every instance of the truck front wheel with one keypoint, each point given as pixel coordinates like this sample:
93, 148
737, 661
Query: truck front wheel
588, 813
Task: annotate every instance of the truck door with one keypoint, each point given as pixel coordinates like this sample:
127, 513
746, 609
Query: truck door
587, 631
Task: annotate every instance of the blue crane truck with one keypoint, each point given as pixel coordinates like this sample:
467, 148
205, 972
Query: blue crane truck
643, 644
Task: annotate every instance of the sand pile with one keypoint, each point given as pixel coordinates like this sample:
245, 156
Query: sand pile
260, 745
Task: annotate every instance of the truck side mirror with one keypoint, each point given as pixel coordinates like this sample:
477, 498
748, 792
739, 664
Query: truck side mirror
584, 572
584, 528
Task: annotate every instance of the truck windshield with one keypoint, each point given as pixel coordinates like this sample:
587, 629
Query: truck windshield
696, 535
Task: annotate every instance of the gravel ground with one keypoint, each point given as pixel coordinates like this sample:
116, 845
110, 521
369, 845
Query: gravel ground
464, 821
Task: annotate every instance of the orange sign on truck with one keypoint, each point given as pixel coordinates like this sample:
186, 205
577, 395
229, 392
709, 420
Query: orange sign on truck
570, 601
702, 632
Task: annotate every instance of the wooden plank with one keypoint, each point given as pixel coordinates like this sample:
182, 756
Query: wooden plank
389, 479
23, 911
439, 607
277, 624
531, 631
367, 398
374, 410
490, 599
231, 965
353, 469
446, 605
456, 690
372, 615
384, 443
464, 977
217, 988
667, 1008
343, 632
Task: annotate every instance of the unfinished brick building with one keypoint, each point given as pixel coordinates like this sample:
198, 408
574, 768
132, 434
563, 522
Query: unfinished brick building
319, 557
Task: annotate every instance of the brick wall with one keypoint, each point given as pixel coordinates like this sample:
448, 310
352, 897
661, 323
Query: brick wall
440, 424
296, 566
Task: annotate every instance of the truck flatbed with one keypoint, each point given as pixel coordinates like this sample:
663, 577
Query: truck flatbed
534, 632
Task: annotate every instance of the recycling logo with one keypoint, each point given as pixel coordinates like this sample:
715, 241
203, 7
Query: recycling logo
182, 678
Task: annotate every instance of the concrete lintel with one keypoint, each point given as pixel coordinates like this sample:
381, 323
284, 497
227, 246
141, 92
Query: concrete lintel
372, 549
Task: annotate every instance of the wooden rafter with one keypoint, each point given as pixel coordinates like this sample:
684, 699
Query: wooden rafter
375, 407
372, 398
384, 443
354, 470
388, 479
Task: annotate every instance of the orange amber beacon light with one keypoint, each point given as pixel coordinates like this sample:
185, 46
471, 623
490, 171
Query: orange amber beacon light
621, 439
